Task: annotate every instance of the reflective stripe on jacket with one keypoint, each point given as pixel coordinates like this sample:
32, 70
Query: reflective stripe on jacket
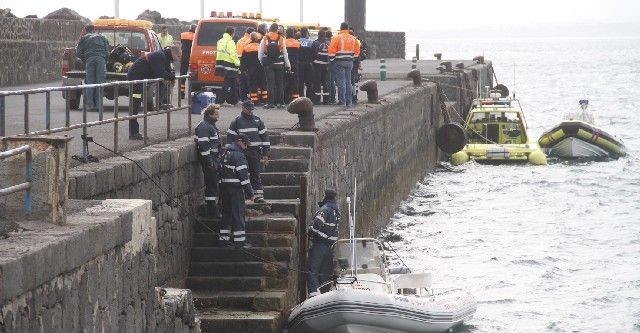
234, 172
324, 228
254, 128
226, 55
344, 46
207, 139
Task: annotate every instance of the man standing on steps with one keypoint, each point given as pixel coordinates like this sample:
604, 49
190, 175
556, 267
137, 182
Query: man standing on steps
208, 143
323, 232
258, 152
235, 187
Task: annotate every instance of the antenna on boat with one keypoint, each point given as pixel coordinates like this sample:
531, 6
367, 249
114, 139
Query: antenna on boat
514, 80
351, 236
353, 225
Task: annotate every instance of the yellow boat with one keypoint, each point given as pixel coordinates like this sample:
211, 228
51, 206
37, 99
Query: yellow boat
497, 133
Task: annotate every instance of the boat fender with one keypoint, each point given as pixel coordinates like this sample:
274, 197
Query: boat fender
451, 138
459, 158
537, 158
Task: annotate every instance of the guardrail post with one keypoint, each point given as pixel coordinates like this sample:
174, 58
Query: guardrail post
28, 198
116, 106
2, 116
189, 108
145, 95
302, 237
101, 103
383, 70
67, 112
85, 144
47, 110
26, 113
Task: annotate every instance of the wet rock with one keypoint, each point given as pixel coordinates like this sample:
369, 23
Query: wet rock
105, 17
33, 16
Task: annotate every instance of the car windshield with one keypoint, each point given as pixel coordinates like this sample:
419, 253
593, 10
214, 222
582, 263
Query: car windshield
135, 40
368, 257
210, 32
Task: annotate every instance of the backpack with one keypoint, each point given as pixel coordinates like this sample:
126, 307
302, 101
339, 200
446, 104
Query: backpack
273, 49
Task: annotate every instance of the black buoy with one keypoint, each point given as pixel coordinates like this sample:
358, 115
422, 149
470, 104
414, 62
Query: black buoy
451, 138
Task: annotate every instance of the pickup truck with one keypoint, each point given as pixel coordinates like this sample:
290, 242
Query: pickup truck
135, 34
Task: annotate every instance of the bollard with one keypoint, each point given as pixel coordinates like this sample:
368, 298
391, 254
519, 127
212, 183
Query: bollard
371, 88
416, 77
417, 51
438, 56
414, 63
303, 107
383, 70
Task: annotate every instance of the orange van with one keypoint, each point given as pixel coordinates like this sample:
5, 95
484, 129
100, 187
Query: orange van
203, 50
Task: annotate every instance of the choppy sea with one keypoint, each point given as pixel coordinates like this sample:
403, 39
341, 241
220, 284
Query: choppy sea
543, 249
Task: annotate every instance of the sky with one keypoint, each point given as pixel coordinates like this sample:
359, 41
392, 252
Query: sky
399, 15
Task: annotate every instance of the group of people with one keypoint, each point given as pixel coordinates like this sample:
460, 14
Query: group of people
271, 67
232, 174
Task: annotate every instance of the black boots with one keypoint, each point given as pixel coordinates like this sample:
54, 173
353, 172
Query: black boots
212, 210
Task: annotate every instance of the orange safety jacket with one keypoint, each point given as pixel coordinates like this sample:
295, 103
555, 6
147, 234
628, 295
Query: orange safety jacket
242, 42
343, 46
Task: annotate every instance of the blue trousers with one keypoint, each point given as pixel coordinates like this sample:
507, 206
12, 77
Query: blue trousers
96, 68
341, 74
320, 265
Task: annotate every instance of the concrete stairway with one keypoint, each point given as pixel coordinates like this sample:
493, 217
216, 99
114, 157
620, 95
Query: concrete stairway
234, 290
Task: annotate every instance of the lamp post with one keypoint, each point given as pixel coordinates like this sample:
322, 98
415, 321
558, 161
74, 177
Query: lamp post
202, 9
301, 11
117, 3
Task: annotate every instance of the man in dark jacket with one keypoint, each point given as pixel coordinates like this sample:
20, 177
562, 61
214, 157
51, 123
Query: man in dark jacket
321, 69
258, 152
93, 50
209, 147
186, 41
308, 50
323, 232
155, 65
234, 187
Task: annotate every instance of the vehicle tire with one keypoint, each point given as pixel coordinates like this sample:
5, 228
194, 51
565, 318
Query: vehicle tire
74, 103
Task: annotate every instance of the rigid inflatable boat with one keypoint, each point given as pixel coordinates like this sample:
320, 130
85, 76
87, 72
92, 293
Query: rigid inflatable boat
497, 134
577, 137
367, 297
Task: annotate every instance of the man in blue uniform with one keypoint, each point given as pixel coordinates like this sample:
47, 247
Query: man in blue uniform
258, 152
209, 147
234, 188
323, 232
93, 50
154, 65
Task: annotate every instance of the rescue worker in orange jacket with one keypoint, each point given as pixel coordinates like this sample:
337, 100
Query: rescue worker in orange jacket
292, 76
274, 58
243, 84
342, 51
250, 65
186, 39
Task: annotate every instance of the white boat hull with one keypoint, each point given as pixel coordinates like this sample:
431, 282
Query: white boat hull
572, 147
359, 311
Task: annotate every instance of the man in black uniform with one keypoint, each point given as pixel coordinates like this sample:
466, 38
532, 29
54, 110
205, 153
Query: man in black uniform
321, 69
234, 187
209, 147
308, 50
323, 232
186, 40
258, 152
154, 65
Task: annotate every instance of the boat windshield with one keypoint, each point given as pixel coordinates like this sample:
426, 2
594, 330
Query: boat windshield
369, 257
500, 127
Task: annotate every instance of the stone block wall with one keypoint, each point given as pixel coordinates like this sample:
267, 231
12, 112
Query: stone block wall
385, 44
31, 49
388, 147
94, 274
171, 164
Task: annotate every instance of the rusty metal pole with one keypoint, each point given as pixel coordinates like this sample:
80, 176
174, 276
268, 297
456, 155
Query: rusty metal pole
26, 113
116, 94
302, 237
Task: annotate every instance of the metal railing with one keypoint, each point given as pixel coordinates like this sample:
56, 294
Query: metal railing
26, 186
146, 113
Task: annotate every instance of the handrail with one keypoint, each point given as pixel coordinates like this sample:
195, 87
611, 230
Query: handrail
26, 186
116, 86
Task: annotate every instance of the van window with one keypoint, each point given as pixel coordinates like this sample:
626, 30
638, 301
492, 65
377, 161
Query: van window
133, 40
210, 32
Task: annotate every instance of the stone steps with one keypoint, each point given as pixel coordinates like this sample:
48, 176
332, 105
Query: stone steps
230, 254
247, 268
258, 224
240, 321
227, 283
281, 178
261, 239
282, 192
287, 165
241, 300
289, 152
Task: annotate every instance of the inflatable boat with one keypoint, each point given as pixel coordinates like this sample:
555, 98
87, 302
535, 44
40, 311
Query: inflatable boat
497, 134
367, 297
577, 137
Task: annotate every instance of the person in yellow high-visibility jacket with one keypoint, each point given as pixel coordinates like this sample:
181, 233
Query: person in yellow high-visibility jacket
227, 65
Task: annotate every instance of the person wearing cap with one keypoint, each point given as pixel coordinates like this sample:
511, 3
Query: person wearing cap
209, 148
343, 49
186, 40
258, 152
323, 233
235, 187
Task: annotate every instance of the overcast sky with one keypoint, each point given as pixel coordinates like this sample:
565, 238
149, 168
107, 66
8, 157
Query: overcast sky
403, 15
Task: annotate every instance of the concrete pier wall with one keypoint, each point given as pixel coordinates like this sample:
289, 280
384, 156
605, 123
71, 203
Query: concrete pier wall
175, 167
388, 147
94, 274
